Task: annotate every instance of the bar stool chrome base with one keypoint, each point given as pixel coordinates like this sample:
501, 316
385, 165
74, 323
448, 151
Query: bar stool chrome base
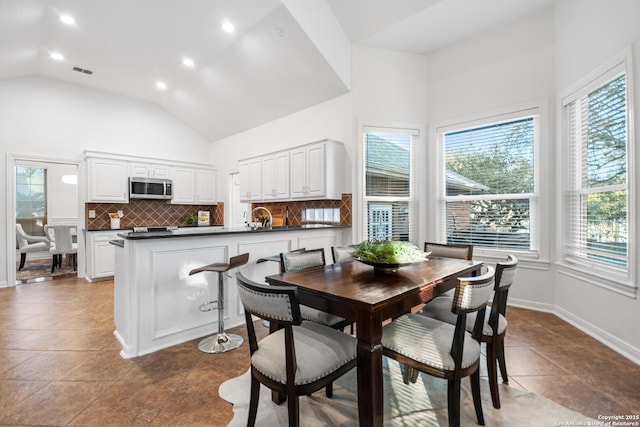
220, 343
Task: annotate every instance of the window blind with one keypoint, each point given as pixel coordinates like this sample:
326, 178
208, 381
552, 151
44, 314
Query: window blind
388, 183
488, 183
596, 193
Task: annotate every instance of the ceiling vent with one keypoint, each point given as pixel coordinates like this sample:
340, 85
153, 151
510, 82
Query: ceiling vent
82, 70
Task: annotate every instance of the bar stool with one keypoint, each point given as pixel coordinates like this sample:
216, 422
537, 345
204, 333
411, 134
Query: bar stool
220, 342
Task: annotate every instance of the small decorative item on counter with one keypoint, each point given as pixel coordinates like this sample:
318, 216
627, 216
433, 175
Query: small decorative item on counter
204, 217
115, 219
191, 219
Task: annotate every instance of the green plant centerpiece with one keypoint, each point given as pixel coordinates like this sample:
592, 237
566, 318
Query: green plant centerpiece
388, 255
191, 219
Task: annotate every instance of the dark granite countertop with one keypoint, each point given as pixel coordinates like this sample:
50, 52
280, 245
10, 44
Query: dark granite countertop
217, 230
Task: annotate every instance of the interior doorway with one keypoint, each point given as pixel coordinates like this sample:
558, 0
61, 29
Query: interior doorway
40, 191
238, 211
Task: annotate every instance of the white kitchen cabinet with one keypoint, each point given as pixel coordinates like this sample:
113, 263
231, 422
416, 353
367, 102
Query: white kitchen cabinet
205, 187
310, 173
100, 254
149, 170
107, 180
193, 186
251, 180
275, 176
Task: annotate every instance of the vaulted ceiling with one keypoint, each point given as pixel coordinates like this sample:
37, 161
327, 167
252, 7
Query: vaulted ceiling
281, 57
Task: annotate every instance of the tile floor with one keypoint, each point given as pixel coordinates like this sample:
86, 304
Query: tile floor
59, 365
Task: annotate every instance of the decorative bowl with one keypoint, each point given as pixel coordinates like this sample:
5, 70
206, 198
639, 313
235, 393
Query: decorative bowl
385, 267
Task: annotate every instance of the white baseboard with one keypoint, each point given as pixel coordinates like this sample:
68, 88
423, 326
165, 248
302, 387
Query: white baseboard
614, 343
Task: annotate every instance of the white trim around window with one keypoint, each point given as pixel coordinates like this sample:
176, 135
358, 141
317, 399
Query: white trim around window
538, 205
415, 201
573, 261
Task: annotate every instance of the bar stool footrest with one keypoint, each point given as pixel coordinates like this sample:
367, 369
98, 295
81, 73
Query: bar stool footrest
209, 306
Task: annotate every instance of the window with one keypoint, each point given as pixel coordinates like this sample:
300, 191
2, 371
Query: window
487, 184
388, 182
596, 182
31, 199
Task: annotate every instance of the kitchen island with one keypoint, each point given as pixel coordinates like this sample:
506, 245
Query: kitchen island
156, 302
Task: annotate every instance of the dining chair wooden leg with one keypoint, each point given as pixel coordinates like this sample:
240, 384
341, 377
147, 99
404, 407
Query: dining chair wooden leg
293, 407
253, 402
328, 390
492, 372
501, 360
475, 392
453, 398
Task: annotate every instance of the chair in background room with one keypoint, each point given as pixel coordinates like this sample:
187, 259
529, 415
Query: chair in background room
443, 350
28, 243
220, 342
61, 243
495, 323
342, 253
301, 259
296, 360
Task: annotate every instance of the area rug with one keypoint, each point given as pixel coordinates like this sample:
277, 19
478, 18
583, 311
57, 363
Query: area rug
421, 404
41, 269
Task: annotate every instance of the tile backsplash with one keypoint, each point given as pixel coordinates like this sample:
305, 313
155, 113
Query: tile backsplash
141, 213
298, 211
146, 213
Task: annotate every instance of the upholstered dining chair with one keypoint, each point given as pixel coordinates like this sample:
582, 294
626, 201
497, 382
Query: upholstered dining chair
443, 350
342, 253
449, 250
28, 243
298, 260
298, 359
61, 243
495, 323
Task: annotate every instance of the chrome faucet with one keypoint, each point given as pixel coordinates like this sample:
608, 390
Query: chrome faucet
266, 210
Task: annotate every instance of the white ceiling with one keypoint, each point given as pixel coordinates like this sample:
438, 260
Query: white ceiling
269, 67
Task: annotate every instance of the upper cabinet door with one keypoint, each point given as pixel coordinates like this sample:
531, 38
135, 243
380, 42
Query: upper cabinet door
308, 172
107, 180
268, 178
250, 180
184, 190
316, 171
281, 175
205, 186
148, 170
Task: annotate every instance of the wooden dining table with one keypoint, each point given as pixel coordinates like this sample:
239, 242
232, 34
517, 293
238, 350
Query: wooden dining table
356, 292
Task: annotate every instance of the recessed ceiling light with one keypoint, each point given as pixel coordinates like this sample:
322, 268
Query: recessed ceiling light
188, 62
228, 27
161, 85
67, 19
57, 56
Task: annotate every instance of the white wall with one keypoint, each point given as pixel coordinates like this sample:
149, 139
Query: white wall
506, 68
588, 33
389, 89
49, 118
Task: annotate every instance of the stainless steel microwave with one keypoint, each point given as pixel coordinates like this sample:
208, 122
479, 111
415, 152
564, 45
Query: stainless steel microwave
150, 188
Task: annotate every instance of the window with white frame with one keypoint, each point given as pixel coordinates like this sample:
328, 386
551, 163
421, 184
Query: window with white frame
596, 179
388, 183
487, 182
